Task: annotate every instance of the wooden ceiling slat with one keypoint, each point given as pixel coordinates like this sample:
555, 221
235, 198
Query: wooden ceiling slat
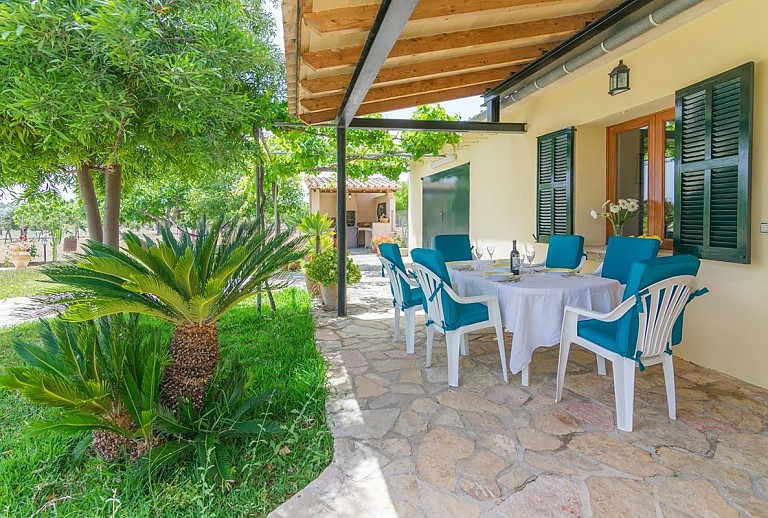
360, 18
519, 55
562, 26
416, 87
403, 102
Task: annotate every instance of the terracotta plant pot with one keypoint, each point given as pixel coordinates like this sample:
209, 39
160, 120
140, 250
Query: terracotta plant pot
20, 259
330, 295
312, 287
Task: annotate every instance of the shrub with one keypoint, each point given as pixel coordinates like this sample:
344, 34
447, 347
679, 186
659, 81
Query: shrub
323, 268
103, 374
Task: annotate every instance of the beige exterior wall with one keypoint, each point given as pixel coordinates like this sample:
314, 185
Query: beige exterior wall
724, 330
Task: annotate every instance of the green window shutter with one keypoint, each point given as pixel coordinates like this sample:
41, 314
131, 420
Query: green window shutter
713, 141
554, 207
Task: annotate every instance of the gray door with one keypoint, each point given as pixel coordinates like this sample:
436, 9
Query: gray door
445, 205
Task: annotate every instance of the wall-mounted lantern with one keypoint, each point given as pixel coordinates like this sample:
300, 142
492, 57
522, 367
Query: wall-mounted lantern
619, 79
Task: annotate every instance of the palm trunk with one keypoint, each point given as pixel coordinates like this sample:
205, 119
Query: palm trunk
194, 352
111, 446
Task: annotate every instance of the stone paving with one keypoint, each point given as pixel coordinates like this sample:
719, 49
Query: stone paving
17, 310
408, 445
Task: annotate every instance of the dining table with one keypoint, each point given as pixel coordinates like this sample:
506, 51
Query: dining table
532, 304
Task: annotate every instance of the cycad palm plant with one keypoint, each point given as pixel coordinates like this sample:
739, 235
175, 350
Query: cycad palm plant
191, 281
103, 374
315, 227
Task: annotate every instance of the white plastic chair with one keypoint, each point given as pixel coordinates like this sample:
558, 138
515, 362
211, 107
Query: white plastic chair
456, 339
658, 308
395, 276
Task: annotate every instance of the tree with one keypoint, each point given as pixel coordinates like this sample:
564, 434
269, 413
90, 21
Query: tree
122, 89
48, 211
7, 223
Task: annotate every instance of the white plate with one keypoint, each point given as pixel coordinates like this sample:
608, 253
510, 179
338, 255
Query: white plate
499, 276
557, 271
459, 265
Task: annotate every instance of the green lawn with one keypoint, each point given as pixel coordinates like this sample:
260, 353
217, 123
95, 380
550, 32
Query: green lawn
22, 283
38, 475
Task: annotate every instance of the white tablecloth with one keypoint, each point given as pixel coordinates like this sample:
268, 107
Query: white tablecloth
532, 308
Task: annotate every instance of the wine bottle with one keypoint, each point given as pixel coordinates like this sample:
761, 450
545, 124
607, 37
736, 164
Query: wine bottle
514, 259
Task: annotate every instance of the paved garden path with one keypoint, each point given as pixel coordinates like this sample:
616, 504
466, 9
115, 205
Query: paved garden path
17, 310
408, 445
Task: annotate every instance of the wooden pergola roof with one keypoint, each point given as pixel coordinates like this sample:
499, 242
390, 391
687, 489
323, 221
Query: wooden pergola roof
448, 49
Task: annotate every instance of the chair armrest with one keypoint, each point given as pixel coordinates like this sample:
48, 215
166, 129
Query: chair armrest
481, 299
404, 276
605, 317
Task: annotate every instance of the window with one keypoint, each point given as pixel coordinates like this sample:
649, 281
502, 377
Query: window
554, 207
641, 165
713, 140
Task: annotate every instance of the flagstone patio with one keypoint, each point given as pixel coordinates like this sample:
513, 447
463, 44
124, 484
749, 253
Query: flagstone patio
406, 444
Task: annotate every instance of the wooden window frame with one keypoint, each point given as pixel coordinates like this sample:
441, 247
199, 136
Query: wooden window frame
656, 168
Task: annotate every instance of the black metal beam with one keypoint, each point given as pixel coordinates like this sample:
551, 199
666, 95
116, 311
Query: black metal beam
341, 218
615, 20
387, 26
417, 125
494, 110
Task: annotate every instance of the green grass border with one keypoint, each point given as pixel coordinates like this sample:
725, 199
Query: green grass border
38, 475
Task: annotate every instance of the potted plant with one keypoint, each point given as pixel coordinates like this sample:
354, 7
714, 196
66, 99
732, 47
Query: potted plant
20, 253
381, 238
323, 268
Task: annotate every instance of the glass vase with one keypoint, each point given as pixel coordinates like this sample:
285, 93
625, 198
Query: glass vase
617, 229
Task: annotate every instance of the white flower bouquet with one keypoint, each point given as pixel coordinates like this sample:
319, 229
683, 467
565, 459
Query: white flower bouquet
618, 213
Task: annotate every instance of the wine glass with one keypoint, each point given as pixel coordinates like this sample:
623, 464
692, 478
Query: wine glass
491, 249
530, 254
479, 252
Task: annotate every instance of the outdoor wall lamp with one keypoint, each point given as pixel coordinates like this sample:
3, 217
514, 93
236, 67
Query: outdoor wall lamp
619, 79
349, 196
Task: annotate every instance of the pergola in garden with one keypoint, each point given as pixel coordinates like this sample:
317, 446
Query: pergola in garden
349, 58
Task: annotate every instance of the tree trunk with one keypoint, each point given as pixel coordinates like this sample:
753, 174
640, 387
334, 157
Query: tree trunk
275, 193
90, 203
113, 184
194, 352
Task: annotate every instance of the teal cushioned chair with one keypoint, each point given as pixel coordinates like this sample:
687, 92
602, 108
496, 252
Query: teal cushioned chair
622, 252
455, 247
407, 294
565, 252
639, 332
451, 314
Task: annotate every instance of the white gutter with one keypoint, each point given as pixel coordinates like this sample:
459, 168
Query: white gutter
653, 20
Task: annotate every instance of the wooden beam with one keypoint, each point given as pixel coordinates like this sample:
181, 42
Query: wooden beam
360, 18
416, 87
519, 55
563, 26
386, 29
403, 102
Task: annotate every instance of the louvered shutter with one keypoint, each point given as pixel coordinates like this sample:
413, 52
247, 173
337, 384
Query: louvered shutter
555, 184
713, 140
